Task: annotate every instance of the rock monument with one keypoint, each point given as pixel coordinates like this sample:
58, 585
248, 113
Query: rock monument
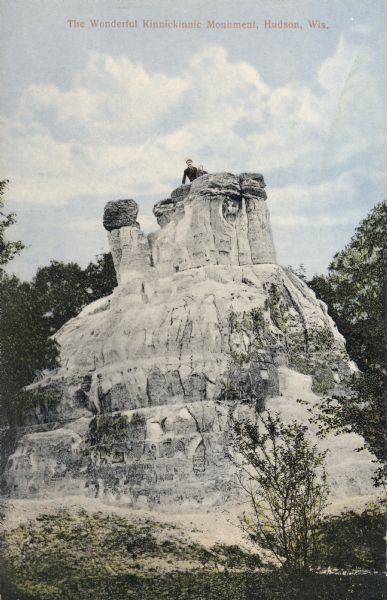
141, 418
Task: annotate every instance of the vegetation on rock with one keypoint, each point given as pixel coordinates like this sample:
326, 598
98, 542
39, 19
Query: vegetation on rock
105, 430
39, 403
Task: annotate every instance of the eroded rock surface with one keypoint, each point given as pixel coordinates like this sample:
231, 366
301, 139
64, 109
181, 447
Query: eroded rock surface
143, 416
219, 219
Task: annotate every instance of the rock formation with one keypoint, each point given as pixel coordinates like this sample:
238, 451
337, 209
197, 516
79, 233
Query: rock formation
142, 417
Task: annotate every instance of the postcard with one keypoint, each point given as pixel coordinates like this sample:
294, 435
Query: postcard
192, 247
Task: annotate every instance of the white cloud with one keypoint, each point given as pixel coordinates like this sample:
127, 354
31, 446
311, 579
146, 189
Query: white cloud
352, 106
111, 99
120, 130
329, 203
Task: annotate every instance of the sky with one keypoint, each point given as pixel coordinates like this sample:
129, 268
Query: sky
89, 115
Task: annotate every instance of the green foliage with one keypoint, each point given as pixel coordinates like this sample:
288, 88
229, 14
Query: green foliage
252, 322
228, 557
363, 413
284, 477
25, 347
312, 353
30, 312
65, 289
65, 551
278, 310
81, 556
353, 540
355, 291
257, 320
8, 249
100, 277
249, 359
321, 337
61, 290
323, 382
311, 350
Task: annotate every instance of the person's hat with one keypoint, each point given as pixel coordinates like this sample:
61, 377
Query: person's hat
187, 160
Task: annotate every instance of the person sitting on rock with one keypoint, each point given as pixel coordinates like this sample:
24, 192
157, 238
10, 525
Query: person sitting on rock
201, 171
191, 172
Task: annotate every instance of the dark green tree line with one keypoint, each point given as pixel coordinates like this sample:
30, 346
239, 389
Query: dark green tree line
355, 291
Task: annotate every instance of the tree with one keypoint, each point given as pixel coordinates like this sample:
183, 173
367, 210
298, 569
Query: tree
65, 289
61, 288
284, 477
101, 277
31, 312
8, 249
278, 467
355, 291
25, 347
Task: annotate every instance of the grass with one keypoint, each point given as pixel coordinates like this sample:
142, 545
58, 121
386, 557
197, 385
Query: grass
93, 556
202, 585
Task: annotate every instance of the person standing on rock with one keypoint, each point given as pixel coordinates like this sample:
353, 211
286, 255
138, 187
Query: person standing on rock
191, 172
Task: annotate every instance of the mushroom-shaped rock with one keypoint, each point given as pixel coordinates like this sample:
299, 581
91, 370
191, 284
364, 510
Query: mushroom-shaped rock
128, 245
120, 213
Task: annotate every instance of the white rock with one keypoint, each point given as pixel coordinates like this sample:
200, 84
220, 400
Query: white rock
152, 359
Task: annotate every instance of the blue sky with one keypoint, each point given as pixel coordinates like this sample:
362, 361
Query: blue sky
89, 116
